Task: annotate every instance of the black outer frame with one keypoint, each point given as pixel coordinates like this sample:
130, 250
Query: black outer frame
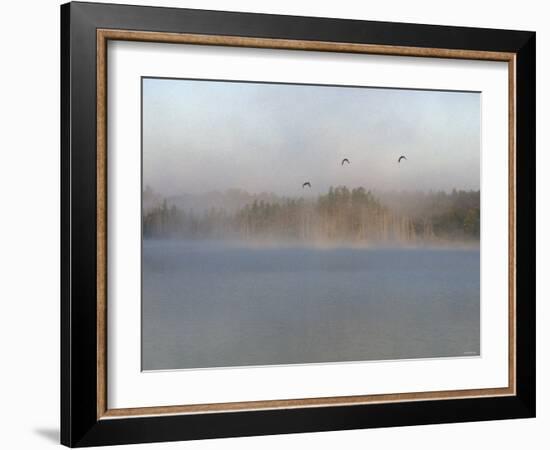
79, 423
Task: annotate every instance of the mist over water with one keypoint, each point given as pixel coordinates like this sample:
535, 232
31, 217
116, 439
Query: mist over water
281, 225
206, 304
342, 217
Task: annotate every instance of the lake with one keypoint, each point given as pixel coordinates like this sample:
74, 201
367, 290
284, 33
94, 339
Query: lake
209, 304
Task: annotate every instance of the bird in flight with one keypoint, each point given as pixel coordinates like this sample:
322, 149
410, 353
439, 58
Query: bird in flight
345, 160
307, 183
400, 158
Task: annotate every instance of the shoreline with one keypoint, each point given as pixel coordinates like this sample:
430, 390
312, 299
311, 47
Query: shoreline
333, 245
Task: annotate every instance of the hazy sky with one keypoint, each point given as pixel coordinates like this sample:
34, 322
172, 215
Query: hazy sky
201, 136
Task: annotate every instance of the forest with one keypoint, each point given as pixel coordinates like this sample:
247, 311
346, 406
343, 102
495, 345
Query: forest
341, 215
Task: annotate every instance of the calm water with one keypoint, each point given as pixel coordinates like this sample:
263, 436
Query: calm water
210, 305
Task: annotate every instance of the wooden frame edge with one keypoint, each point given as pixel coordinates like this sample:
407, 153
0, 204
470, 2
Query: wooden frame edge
104, 35
512, 199
101, 223
289, 44
209, 408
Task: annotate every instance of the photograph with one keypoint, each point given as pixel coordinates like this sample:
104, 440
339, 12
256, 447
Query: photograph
292, 223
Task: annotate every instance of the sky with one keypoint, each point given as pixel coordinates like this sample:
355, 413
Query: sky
201, 136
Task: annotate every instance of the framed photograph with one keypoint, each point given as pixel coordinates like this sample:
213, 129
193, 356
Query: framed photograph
277, 224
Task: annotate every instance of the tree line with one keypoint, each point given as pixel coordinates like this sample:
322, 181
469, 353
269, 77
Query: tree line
340, 215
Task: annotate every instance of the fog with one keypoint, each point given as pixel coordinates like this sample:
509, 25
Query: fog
242, 266
206, 136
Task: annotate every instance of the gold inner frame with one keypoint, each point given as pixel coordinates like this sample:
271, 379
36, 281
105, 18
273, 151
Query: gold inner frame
103, 36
